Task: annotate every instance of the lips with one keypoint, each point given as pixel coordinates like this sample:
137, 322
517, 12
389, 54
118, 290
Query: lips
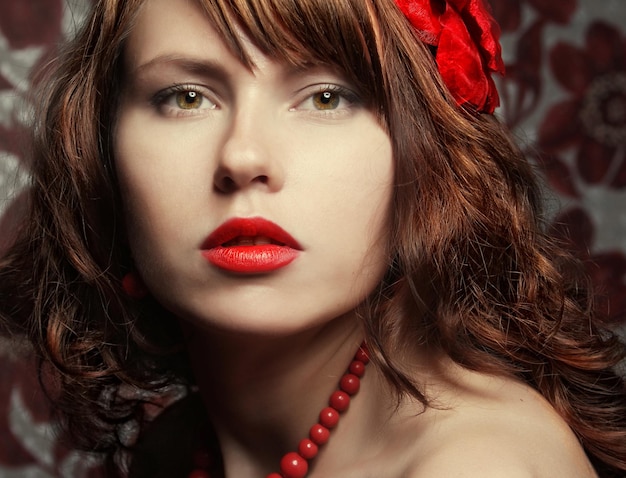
251, 246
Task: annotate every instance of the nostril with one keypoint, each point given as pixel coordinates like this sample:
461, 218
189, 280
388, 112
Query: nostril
226, 184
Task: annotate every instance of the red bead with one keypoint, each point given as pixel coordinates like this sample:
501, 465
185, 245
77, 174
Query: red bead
329, 417
350, 383
197, 473
340, 401
293, 465
357, 368
307, 449
362, 354
133, 286
319, 434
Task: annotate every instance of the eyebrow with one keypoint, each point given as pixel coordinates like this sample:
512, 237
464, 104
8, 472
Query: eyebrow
188, 64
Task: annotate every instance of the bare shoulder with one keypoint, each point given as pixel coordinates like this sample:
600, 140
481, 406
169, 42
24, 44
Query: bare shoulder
497, 428
494, 453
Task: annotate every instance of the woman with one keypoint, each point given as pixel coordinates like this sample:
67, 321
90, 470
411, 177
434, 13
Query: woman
231, 197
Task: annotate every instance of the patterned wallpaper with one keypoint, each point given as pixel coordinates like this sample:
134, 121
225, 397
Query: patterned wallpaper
564, 96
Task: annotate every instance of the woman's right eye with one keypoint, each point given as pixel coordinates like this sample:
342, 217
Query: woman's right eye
183, 100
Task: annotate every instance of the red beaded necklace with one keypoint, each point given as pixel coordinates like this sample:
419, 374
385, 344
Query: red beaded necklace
296, 464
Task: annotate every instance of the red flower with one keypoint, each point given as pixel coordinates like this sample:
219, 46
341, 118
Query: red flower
593, 118
468, 51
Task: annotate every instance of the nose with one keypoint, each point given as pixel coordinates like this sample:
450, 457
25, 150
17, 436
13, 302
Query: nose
249, 156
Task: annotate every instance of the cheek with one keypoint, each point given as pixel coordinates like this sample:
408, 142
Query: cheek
159, 169
356, 208
367, 184
137, 189
150, 202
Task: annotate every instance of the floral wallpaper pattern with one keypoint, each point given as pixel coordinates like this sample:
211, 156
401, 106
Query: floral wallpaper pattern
564, 96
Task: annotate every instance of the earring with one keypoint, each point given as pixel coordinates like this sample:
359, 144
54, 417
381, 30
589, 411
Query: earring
133, 285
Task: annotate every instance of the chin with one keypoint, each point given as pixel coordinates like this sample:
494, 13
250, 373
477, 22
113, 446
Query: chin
260, 322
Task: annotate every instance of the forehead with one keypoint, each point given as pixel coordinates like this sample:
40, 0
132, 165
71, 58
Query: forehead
167, 28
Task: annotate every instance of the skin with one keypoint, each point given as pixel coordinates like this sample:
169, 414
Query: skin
260, 144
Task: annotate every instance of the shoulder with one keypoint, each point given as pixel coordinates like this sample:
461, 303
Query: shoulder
496, 453
506, 429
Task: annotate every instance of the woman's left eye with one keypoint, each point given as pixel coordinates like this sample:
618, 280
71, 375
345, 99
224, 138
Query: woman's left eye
329, 98
326, 100
188, 100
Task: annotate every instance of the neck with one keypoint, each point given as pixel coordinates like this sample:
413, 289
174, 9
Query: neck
264, 393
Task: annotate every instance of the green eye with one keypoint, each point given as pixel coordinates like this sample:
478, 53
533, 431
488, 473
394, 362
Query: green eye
326, 100
189, 100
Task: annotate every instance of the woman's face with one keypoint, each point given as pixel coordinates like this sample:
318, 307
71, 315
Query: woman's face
256, 200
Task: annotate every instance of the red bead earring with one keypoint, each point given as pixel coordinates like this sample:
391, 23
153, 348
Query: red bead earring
133, 286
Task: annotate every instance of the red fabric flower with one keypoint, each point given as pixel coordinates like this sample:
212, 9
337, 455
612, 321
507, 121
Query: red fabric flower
466, 37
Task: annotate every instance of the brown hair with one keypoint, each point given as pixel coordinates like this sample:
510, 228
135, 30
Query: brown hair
471, 273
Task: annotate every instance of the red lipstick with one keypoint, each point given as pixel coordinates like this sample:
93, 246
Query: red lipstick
250, 245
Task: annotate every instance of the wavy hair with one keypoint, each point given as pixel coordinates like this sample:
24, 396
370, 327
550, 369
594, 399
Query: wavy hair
471, 273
